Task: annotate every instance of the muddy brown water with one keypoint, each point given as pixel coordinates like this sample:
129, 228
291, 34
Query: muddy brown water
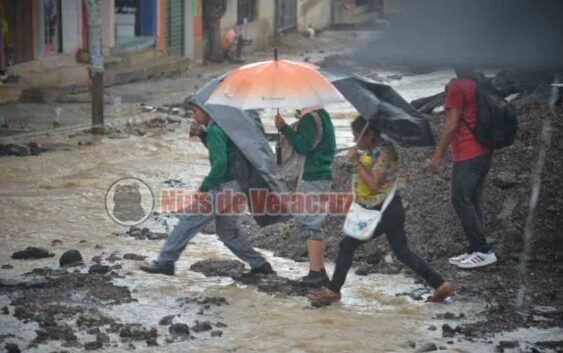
61, 196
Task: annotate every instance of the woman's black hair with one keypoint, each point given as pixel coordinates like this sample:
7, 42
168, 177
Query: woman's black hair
359, 124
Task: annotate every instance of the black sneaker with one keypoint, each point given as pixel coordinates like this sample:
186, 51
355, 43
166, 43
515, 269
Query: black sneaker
314, 282
265, 269
166, 268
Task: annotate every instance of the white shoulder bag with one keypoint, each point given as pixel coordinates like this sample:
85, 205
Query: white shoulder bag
361, 223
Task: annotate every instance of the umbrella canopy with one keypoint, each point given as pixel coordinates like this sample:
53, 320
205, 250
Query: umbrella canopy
275, 84
391, 114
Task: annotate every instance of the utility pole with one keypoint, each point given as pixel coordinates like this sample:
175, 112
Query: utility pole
96, 65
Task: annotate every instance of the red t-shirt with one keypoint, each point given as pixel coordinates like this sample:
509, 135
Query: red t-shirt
461, 95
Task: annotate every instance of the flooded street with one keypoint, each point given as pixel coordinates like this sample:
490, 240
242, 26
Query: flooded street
56, 201
61, 196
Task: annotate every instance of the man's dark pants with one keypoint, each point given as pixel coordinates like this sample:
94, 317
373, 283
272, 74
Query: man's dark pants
468, 179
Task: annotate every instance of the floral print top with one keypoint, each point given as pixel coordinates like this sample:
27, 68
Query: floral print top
385, 160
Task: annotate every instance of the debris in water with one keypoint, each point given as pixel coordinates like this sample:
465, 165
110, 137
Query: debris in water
31, 252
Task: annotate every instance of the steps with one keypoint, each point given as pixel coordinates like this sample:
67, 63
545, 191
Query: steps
146, 64
50, 78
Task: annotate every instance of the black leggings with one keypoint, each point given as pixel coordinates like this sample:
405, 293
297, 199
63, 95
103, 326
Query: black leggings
392, 224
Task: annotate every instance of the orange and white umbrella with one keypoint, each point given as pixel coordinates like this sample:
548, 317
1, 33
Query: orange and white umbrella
275, 84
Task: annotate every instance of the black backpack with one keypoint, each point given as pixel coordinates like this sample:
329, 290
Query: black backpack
497, 123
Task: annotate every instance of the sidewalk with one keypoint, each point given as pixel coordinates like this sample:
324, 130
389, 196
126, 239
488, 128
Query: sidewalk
123, 102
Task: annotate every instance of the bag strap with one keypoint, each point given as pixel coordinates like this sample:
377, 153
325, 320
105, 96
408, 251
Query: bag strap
389, 196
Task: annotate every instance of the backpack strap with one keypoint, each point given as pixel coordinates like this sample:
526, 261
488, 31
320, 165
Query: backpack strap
319, 123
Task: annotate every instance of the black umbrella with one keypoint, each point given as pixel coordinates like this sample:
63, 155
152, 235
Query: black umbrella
391, 114
253, 165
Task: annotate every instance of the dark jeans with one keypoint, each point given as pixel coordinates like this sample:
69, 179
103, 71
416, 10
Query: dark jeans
468, 178
392, 224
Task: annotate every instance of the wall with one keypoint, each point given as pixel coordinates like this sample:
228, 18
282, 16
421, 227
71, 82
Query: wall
107, 11
72, 26
316, 13
260, 31
161, 24
189, 48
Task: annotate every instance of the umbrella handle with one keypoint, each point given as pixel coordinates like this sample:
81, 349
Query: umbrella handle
278, 145
362, 133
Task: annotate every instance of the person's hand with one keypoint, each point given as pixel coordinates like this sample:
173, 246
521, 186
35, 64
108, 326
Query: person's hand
353, 156
279, 122
432, 166
196, 129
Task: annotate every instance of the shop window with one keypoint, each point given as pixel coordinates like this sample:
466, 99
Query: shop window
247, 9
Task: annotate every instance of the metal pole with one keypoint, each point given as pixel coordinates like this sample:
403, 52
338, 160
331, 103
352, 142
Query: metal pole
96, 65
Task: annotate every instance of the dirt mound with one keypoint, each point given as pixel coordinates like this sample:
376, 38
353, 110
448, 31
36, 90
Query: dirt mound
435, 234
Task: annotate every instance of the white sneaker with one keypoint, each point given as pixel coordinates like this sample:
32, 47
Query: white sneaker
459, 258
478, 259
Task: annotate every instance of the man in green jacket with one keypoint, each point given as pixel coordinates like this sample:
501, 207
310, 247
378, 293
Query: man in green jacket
316, 179
219, 179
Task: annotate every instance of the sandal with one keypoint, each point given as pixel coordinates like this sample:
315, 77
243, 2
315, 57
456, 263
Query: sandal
323, 297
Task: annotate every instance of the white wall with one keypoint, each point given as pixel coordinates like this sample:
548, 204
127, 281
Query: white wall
317, 16
71, 22
107, 11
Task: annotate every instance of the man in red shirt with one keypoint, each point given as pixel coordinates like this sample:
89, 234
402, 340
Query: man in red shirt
471, 163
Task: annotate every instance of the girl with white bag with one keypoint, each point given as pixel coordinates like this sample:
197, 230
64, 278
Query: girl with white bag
378, 183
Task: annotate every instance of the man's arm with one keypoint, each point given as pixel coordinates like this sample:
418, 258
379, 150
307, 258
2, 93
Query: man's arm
453, 117
302, 139
217, 143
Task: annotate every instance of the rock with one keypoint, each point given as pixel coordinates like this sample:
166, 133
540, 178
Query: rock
91, 346
167, 320
427, 347
151, 342
365, 270
504, 180
173, 120
221, 325
5, 310
56, 242
94, 331
508, 345
12, 348
133, 331
102, 338
432, 328
448, 331
70, 257
31, 252
83, 241
93, 319
211, 268
14, 150
201, 326
134, 257
153, 332
179, 330
216, 333
7, 267
98, 269
97, 259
